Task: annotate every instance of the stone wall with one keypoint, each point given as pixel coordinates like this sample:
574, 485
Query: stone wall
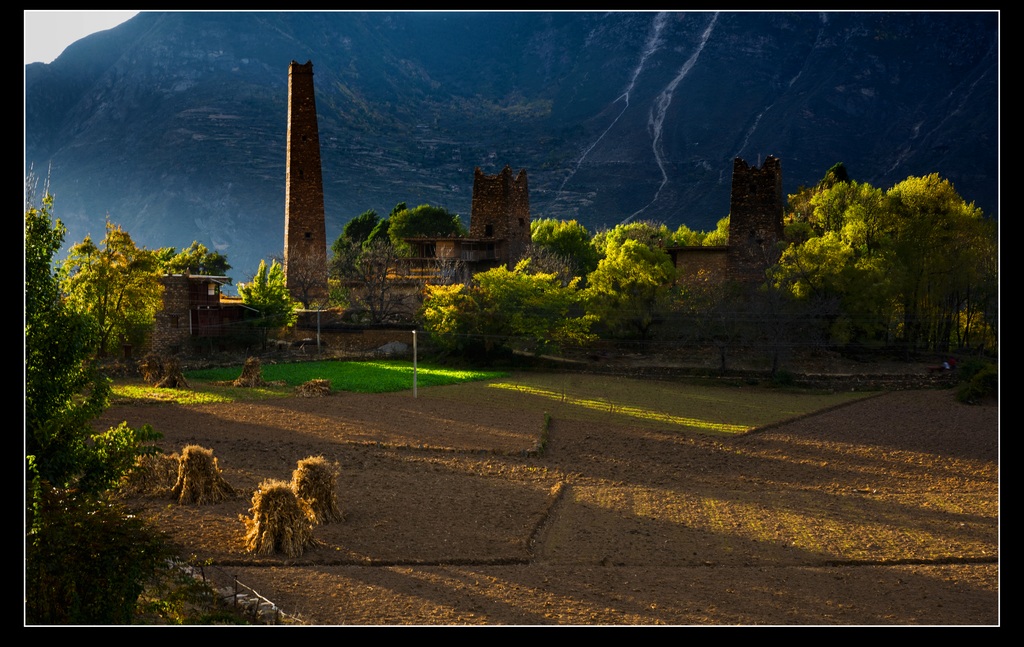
305, 236
708, 262
755, 219
350, 339
171, 330
501, 209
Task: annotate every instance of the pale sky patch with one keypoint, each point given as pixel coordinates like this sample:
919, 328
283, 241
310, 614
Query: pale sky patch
49, 32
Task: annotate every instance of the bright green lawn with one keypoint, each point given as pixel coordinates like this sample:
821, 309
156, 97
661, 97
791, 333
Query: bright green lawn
213, 385
360, 377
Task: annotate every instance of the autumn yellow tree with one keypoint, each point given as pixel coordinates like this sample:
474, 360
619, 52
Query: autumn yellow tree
117, 283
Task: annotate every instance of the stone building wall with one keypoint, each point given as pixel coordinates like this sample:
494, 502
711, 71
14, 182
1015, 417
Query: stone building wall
171, 331
305, 234
709, 262
755, 220
501, 209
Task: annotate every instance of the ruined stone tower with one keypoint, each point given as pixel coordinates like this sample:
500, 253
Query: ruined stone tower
305, 236
501, 209
755, 220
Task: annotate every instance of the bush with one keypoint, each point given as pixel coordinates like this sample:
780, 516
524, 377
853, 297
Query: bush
87, 560
979, 380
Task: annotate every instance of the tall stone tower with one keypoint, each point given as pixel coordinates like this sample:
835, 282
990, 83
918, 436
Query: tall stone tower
755, 218
305, 235
501, 209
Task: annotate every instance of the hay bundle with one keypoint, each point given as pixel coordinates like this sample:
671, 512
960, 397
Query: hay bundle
314, 483
152, 369
281, 522
199, 478
153, 474
252, 374
173, 378
314, 389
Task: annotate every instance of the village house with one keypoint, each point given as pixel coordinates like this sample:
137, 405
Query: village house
193, 307
499, 232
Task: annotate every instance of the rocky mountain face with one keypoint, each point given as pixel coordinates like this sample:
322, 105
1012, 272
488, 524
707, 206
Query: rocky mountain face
174, 123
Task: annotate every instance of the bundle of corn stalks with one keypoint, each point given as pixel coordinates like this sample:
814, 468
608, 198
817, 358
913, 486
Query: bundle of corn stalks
314, 389
153, 474
252, 374
152, 368
281, 522
314, 482
172, 376
199, 478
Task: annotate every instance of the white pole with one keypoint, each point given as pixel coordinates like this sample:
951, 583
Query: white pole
414, 363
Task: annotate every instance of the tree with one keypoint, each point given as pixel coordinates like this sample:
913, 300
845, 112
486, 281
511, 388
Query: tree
651, 234
346, 247
566, 239
686, 237
307, 278
631, 287
381, 231
424, 221
914, 264
85, 560
117, 283
268, 294
508, 309
943, 250
359, 228
720, 236
380, 269
194, 259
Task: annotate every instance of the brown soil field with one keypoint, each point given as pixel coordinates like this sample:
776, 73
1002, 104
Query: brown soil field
465, 506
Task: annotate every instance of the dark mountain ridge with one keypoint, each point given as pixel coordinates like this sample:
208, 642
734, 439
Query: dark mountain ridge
174, 123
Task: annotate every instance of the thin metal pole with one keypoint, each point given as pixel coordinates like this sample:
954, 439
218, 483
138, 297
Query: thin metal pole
414, 363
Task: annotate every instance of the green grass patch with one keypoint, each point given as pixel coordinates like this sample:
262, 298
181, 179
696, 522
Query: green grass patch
134, 392
213, 385
358, 377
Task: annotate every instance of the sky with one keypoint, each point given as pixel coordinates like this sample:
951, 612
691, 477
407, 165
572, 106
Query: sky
48, 32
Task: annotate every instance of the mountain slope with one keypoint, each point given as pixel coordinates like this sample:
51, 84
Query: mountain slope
174, 122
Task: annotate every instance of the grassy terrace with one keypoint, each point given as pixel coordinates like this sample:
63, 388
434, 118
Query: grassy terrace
697, 406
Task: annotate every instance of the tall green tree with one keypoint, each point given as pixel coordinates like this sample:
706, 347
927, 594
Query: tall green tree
912, 265
85, 560
64, 389
346, 247
507, 309
423, 221
566, 239
359, 228
631, 288
380, 292
194, 259
936, 239
268, 295
117, 283
651, 234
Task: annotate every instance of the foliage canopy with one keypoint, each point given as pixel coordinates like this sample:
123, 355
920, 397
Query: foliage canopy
115, 282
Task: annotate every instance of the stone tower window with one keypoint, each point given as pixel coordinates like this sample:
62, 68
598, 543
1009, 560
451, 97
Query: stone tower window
488, 231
